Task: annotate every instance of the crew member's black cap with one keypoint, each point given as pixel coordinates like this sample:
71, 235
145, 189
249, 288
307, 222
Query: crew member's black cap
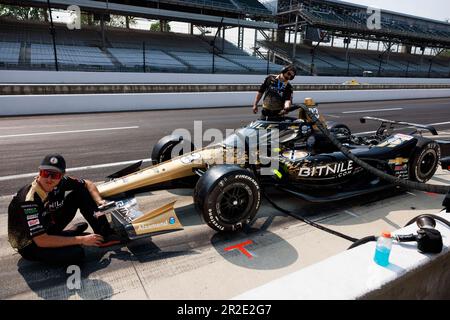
54, 162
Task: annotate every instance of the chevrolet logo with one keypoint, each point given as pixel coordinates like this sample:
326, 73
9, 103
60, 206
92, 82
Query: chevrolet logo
398, 161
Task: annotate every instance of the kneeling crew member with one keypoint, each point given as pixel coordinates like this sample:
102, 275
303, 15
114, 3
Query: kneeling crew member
40, 212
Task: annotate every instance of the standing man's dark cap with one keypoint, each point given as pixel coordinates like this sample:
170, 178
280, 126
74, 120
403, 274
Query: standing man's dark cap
54, 162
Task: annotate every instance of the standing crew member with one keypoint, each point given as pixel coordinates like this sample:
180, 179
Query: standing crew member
40, 212
277, 93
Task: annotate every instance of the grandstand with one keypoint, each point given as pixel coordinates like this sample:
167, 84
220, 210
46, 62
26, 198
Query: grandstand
407, 46
334, 61
330, 19
29, 44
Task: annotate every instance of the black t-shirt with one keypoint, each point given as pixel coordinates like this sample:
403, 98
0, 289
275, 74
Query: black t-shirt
276, 93
30, 212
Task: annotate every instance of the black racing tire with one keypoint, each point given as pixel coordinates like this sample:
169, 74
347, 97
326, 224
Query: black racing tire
424, 163
162, 151
228, 197
340, 128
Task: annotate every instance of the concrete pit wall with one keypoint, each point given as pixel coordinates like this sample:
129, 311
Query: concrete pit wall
353, 274
38, 92
11, 105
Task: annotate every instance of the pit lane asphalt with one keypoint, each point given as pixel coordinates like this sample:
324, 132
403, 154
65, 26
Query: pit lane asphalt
197, 263
193, 263
21, 153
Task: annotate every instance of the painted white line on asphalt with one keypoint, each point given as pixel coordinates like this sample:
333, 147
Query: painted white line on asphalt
6, 197
410, 193
373, 110
97, 166
331, 116
352, 214
62, 132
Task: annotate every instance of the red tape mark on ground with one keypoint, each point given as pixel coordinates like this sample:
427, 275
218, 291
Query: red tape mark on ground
240, 247
432, 194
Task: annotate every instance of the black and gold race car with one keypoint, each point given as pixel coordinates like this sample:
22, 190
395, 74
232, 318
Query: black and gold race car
287, 153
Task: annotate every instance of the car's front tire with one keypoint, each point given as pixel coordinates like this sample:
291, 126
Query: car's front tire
228, 197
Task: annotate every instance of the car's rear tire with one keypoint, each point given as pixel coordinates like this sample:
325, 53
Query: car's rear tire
164, 148
228, 197
424, 162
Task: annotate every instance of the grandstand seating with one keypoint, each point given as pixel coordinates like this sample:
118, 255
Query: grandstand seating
155, 40
217, 4
257, 65
155, 60
30, 46
202, 62
356, 17
9, 52
252, 6
70, 55
224, 47
333, 61
241, 6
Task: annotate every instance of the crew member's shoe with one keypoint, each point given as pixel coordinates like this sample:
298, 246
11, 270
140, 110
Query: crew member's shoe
110, 239
76, 229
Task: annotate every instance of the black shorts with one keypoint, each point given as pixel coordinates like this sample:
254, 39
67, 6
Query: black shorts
63, 256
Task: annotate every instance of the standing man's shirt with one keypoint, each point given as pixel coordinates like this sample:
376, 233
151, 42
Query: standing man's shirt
276, 93
31, 210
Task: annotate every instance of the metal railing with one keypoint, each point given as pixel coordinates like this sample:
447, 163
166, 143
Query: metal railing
331, 19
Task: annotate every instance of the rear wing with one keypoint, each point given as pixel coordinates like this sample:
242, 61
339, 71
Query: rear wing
390, 124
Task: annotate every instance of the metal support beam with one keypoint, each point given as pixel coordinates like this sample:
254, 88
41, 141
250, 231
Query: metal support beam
313, 53
143, 56
273, 40
241, 38
254, 43
53, 33
102, 27
223, 39
213, 69
388, 48
347, 56
429, 68
264, 34
294, 45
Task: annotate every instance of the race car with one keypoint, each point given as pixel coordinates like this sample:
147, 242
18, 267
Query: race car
289, 154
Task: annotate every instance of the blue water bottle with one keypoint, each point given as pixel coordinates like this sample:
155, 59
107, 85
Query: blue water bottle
383, 249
